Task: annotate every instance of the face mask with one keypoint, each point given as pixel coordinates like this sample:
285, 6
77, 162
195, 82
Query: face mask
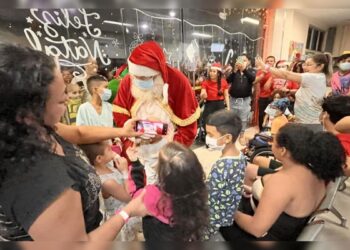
344, 66
143, 84
106, 95
212, 143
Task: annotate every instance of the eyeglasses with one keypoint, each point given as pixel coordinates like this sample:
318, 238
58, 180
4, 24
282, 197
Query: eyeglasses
308, 65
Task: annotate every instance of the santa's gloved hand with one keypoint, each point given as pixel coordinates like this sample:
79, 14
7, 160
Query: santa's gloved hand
148, 135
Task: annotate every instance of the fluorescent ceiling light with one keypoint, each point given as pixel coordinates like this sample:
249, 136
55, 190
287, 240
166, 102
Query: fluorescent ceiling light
119, 23
202, 35
144, 26
250, 20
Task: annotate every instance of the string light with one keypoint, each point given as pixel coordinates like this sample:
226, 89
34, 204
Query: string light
198, 25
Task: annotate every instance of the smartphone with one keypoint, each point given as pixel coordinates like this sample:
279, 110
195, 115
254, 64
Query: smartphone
240, 60
149, 127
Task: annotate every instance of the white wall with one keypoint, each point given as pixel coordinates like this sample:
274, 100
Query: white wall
290, 25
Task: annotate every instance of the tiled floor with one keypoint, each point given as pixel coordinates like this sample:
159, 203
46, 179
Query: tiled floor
331, 231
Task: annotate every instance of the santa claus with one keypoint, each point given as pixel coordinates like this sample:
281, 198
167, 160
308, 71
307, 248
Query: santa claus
154, 91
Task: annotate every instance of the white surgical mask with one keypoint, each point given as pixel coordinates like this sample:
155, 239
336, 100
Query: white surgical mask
106, 95
344, 66
143, 84
212, 143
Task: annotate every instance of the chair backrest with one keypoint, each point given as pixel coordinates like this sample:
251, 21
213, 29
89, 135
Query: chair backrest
311, 231
332, 190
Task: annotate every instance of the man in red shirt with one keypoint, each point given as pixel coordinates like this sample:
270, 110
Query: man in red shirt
264, 79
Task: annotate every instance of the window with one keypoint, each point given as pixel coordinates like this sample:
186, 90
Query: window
315, 39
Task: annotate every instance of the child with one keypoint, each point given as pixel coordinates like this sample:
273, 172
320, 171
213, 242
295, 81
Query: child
270, 111
114, 184
97, 112
73, 104
280, 118
177, 204
225, 181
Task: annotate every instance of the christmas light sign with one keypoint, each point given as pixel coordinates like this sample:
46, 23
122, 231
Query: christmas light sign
68, 50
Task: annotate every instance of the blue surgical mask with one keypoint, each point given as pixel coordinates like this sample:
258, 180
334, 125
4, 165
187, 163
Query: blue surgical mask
143, 84
106, 95
344, 66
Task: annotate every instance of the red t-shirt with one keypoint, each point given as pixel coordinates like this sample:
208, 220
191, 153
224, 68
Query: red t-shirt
263, 92
212, 89
345, 141
292, 85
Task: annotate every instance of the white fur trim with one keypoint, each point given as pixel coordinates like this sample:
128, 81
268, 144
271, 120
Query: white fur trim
217, 68
140, 70
165, 93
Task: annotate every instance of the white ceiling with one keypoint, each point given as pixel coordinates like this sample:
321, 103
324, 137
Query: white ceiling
328, 16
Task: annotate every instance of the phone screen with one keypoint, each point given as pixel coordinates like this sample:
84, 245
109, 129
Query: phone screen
152, 127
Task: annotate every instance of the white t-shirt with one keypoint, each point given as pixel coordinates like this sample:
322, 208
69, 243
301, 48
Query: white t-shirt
309, 98
88, 116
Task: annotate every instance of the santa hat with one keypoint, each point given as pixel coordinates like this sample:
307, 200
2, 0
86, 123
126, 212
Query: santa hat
216, 66
148, 59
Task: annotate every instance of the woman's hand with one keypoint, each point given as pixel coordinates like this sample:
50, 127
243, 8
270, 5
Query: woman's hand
259, 63
129, 129
136, 207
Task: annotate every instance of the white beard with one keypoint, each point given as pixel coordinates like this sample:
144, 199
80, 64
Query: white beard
151, 110
148, 95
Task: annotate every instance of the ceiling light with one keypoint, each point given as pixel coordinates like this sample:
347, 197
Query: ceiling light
250, 20
172, 13
144, 26
202, 35
119, 23
127, 31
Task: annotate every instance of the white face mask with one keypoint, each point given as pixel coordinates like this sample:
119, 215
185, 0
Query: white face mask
344, 66
212, 143
106, 95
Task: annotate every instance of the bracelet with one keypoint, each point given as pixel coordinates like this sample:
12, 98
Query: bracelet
123, 214
125, 176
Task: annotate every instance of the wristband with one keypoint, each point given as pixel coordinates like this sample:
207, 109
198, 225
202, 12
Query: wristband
125, 175
123, 214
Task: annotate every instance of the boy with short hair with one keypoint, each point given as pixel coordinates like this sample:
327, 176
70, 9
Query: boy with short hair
97, 111
225, 181
114, 184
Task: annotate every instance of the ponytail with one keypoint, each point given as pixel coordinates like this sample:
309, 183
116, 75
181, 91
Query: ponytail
321, 152
220, 93
326, 60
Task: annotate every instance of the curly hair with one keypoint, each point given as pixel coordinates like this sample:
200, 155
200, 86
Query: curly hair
337, 107
182, 179
25, 75
321, 152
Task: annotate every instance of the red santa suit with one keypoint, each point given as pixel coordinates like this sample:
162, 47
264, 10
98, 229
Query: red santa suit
176, 105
